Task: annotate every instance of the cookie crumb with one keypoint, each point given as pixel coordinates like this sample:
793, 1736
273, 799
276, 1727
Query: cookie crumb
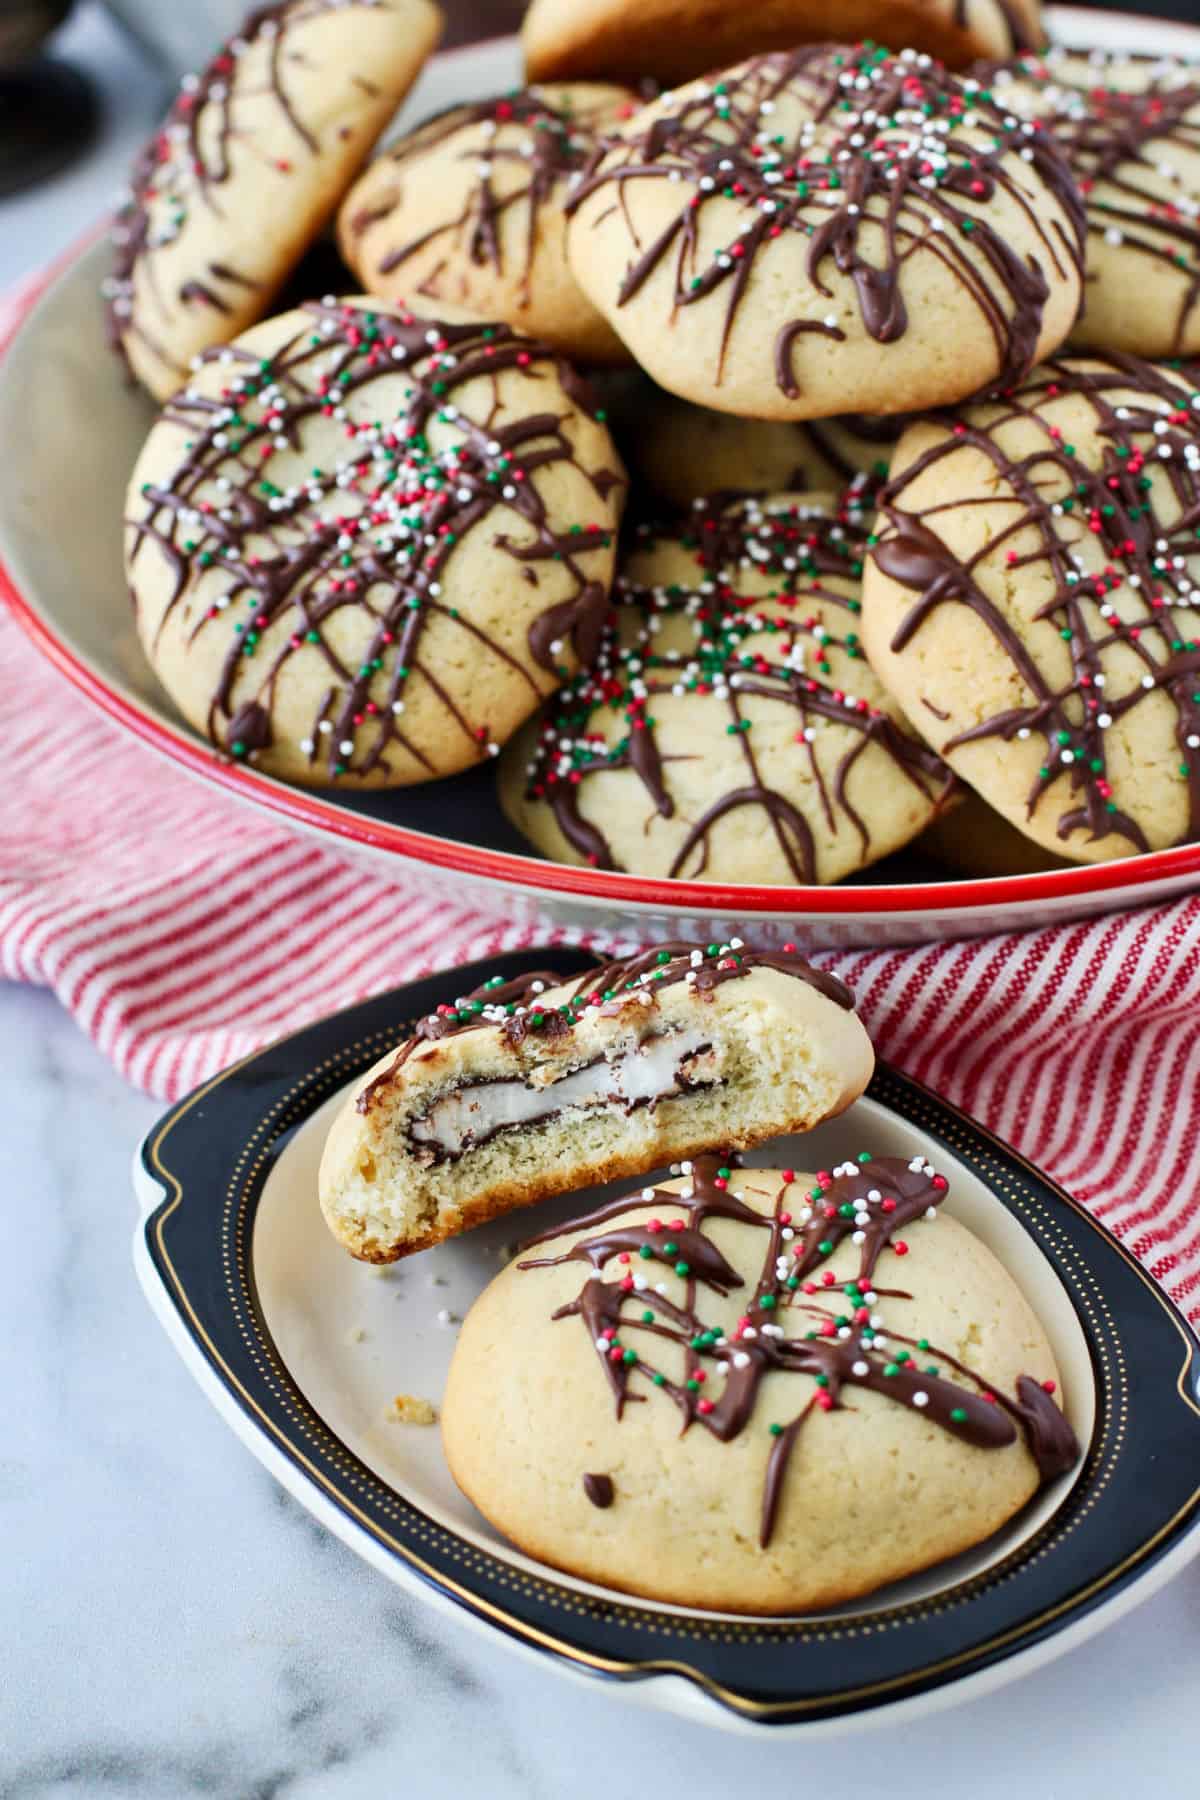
410, 1409
355, 1335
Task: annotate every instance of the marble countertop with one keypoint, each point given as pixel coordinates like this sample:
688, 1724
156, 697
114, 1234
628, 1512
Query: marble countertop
175, 1625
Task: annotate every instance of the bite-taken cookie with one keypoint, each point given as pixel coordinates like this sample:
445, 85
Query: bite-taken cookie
754, 1389
252, 159
678, 450
467, 212
536, 1086
730, 728
1031, 602
363, 545
673, 40
830, 230
1129, 127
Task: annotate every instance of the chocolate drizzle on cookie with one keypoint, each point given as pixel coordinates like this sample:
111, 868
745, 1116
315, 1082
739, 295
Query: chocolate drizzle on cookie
894, 158
546, 139
189, 159
1112, 537
599, 1489
800, 1318
373, 534
755, 647
1116, 139
517, 1008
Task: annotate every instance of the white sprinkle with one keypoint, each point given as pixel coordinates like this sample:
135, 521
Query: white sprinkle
920, 1399
860, 1368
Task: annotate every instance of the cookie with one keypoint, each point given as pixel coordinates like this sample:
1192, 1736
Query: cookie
730, 728
1032, 602
678, 450
830, 230
674, 40
536, 1086
250, 162
755, 1390
1129, 127
362, 546
468, 211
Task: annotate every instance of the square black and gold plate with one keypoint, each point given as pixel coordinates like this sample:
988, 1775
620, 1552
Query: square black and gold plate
302, 1350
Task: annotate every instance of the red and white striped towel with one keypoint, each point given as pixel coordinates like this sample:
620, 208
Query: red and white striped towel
182, 933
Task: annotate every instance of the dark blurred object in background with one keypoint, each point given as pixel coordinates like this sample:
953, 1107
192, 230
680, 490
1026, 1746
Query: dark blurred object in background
47, 109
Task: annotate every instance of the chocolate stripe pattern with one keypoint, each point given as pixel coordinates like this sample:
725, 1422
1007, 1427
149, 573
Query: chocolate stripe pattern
799, 1318
893, 157
1112, 530
742, 647
373, 532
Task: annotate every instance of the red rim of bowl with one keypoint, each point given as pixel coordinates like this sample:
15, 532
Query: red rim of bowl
305, 808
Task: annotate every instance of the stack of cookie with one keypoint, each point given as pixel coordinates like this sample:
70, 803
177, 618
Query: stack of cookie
747, 1388
884, 367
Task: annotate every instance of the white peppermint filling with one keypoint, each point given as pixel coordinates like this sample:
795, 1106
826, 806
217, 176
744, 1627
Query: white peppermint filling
639, 1076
